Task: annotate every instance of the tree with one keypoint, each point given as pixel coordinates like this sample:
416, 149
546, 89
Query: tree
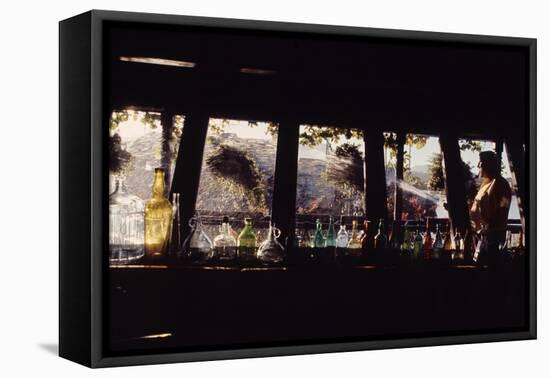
347, 170
436, 181
239, 173
119, 158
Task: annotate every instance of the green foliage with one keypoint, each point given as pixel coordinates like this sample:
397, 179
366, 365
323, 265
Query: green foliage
468, 144
239, 173
416, 140
313, 135
436, 181
151, 119
118, 117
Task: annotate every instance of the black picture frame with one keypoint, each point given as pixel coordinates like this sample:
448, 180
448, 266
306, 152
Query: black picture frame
83, 188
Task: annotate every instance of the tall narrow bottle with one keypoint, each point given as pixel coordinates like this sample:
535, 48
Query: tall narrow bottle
395, 237
448, 245
330, 241
407, 245
438, 244
246, 242
417, 244
298, 239
428, 242
458, 247
380, 239
365, 238
158, 219
318, 239
174, 244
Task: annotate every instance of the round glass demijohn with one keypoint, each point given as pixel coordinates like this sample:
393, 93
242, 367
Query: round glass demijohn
126, 234
270, 250
198, 245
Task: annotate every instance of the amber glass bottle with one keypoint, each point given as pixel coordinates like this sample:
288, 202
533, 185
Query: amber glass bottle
158, 219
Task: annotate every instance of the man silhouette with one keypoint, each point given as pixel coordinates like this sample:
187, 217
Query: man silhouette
489, 211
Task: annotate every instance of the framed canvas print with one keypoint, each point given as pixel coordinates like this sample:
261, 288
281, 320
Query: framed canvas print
234, 188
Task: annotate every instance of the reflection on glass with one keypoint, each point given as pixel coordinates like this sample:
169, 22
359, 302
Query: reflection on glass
139, 143
237, 174
330, 180
423, 181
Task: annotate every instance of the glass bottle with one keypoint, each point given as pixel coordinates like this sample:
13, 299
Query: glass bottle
330, 241
365, 239
468, 247
225, 245
380, 239
270, 250
306, 239
458, 247
158, 219
342, 237
521, 243
417, 244
395, 237
354, 243
428, 242
198, 245
406, 246
246, 242
298, 239
174, 245
318, 239
447, 253
438, 244
125, 225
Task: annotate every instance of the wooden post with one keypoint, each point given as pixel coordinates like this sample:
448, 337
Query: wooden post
375, 191
516, 158
188, 166
283, 208
455, 186
167, 123
398, 198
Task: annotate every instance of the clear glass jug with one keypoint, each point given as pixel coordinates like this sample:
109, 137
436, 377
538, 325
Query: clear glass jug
126, 234
198, 246
270, 250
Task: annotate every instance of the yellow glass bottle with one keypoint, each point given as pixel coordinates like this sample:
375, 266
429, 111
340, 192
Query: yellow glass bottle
158, 219
354, 244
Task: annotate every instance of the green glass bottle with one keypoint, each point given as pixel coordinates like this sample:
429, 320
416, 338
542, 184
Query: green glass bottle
318, 239
331, 234
246, 242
